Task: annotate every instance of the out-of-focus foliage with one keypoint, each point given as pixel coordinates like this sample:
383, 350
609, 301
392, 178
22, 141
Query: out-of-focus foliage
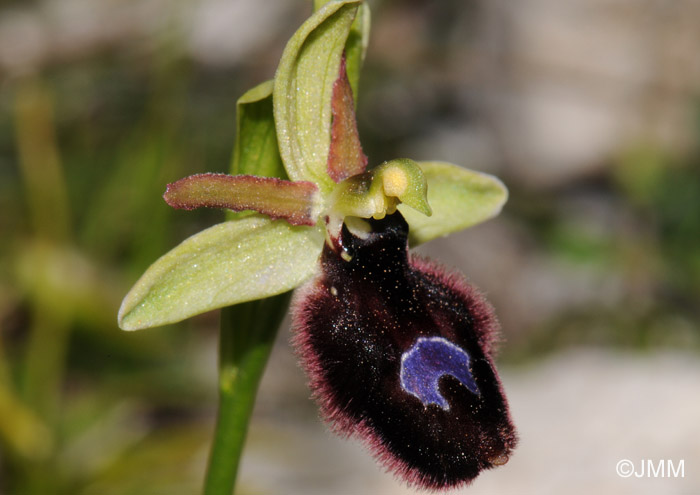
86, 150
648, 247
88, 140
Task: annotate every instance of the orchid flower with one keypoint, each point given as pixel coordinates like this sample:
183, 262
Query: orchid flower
398, 350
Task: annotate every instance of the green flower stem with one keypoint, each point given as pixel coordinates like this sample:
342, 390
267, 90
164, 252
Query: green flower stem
246, 337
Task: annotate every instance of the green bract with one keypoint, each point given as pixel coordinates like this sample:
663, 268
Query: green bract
256, 151
284, 132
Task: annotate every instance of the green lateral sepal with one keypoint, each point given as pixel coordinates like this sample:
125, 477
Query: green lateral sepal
229, 263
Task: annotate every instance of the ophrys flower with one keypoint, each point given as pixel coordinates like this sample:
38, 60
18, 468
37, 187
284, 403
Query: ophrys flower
398, 350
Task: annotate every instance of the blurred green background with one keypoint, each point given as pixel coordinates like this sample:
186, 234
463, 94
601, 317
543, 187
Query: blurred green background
589, 112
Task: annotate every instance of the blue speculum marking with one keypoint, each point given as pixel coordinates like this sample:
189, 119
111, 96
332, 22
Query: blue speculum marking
427, 361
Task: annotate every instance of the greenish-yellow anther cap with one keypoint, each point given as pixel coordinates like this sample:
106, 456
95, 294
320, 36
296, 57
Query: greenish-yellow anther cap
403, 179
377, 193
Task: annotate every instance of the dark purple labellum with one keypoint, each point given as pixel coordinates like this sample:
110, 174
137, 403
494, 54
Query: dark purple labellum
399, 353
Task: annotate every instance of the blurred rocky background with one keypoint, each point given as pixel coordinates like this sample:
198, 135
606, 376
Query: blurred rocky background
589, 110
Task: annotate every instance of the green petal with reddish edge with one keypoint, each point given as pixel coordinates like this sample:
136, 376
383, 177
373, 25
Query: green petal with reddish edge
303, 88
232, 262
459, 198
299, 203
255, 151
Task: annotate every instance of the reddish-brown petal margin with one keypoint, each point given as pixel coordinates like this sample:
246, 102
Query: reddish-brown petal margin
345, 157
296, 202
